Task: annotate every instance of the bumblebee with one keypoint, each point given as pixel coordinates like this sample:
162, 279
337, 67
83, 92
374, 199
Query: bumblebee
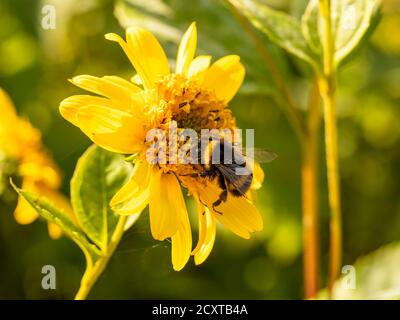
234, 177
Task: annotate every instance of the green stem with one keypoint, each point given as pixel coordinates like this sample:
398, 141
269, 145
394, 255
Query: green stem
328, 88
92, 274
310, 190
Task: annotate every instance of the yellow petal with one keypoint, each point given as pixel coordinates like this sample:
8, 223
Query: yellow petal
128, 191
55, 231
166, 205
240, 211
101, 119
109, 142
134, 195
112, 87
70, 106
111, 129
201, 209
137, 80
181, 240
187, 50
198, 66
208, 196
258, 176
145, 53
225, 76
237, 213
207, 227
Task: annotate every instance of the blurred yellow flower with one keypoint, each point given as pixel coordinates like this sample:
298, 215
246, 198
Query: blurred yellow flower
195, 96
21, 143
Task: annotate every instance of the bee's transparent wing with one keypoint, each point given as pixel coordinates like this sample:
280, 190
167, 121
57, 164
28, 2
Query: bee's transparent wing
260, 155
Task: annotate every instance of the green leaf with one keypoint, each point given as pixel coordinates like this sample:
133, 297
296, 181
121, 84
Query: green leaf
47, 211
351, 20
281, 28
310, 22
377, 276
98, 176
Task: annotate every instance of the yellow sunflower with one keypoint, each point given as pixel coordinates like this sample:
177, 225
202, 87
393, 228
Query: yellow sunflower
20, 143
195, 96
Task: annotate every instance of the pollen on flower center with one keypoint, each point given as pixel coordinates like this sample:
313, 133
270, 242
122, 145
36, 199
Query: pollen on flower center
191, 106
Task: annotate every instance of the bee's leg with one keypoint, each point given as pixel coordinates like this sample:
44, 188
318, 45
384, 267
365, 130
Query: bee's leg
223, 195
202, 202
221, 182
222, 198
205, 205
217, 211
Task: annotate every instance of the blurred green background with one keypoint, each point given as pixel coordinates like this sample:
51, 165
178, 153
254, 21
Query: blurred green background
35, 65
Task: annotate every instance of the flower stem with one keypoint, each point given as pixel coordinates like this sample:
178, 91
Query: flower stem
309, 170
328, 88
92, 274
